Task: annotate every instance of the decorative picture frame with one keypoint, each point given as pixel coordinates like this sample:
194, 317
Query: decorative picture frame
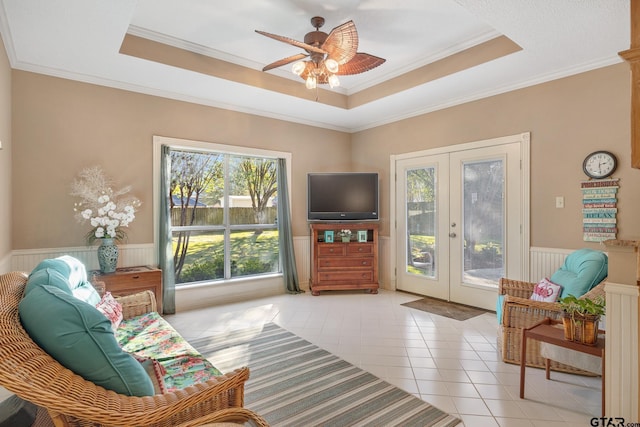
362, 235
328, 236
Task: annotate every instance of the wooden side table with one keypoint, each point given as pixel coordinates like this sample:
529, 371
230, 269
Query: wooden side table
130, 280
546, 331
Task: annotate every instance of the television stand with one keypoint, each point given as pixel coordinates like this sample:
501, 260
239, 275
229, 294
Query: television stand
338, 265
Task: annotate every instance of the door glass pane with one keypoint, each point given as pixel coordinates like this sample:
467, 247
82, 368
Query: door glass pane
483, 210
421, 222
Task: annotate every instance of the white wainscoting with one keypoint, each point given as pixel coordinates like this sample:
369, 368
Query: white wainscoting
621, 369
302, 251
384, 263
129, 256
545, 261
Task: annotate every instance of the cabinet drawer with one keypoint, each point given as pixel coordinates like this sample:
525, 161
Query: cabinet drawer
354, 276
353, 262
133, 280
360, 249
331, 249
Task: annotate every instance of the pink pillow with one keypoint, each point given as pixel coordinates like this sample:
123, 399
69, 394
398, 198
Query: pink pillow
546, 291
111, 309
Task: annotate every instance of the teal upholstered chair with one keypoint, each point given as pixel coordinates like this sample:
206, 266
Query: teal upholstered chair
582, 274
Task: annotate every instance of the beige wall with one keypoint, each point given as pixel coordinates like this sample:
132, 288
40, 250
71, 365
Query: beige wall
568, 118
5, 158
61, 127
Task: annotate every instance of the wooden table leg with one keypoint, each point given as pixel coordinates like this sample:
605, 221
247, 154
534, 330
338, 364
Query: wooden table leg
547, 368
523, 362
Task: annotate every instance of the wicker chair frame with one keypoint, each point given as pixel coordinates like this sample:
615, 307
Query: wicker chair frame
519, 312
70, 400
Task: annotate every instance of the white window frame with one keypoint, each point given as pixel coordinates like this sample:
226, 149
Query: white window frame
186, 144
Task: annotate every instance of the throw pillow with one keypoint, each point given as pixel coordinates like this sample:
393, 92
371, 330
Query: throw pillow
80, 338
581, 271
111, 309
47, 276
76, 275
68, 266
546, 291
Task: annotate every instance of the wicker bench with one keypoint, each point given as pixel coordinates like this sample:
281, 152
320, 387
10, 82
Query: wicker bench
66, 399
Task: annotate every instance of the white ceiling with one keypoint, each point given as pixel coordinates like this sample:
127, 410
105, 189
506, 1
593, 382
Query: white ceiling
81, 39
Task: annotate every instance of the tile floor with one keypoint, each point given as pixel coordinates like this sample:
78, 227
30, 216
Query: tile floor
450, 364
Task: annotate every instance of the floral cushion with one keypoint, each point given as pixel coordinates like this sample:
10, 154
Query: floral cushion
150, 336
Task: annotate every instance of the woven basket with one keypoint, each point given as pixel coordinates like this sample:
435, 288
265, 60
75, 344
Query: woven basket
582, 328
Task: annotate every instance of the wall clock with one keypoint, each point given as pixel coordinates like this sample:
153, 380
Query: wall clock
600, 164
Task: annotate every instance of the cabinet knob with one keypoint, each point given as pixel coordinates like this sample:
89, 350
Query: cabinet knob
135, 277
359, 249
331, 250
364, 262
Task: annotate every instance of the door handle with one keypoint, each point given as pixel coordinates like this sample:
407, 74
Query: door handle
452, 234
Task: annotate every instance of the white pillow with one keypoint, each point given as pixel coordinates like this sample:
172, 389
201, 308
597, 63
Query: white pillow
546, 291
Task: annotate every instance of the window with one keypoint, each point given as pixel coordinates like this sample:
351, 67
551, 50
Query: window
223, 215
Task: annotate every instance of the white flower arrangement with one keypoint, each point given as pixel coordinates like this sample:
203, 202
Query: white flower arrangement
345, 233
107, 210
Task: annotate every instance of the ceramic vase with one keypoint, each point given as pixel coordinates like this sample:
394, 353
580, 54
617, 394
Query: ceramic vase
107, 256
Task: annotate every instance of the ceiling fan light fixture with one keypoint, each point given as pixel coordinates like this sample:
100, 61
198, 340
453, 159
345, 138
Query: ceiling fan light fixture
298, 67
331, 65
311, 82
334, 81
327, 55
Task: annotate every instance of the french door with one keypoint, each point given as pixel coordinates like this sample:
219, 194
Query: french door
459, 227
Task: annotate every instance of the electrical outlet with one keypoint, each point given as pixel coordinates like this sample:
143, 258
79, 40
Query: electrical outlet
559, 202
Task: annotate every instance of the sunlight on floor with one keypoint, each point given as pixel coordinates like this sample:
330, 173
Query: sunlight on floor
451, 364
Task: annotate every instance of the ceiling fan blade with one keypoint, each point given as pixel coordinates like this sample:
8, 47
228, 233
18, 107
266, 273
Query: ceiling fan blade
360, 63
285, 61
293, 42
342, 42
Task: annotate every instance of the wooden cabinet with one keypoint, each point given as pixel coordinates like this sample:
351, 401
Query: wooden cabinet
337, 265
129, 280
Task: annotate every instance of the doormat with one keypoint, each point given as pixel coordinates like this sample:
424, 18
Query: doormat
444, 308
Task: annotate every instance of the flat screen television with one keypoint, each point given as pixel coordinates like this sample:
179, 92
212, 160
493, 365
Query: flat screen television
342, 196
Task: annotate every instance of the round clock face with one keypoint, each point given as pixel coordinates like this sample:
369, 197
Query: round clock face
600, 164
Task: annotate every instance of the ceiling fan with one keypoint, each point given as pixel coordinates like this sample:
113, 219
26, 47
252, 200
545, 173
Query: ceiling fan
329, 55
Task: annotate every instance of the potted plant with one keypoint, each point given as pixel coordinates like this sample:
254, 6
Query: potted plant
580, 318
345, 235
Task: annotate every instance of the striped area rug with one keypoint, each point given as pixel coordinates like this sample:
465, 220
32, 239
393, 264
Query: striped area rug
295, 383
